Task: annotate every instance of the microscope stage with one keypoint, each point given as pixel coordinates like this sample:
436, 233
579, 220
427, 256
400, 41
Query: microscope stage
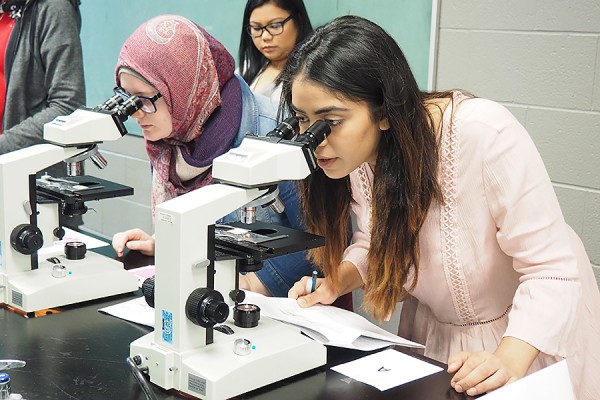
83, 188
261, 240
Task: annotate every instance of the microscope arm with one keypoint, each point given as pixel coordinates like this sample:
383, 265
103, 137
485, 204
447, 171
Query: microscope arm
182, 259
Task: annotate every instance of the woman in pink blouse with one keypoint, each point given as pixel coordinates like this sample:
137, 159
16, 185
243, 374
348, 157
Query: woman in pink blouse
455, 215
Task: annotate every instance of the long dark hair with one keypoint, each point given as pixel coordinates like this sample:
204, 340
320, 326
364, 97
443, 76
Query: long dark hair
250, 59
357, 60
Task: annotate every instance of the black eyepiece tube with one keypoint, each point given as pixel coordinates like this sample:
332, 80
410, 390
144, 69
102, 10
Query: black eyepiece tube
315, 134
128, 107
287, 129
110, 103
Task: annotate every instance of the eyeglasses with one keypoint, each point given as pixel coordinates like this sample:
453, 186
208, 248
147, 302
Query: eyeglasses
274, 28
148, 103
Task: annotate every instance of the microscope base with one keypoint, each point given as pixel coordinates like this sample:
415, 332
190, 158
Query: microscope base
215, 372
93, 277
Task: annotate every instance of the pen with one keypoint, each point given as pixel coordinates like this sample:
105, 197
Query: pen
311, 284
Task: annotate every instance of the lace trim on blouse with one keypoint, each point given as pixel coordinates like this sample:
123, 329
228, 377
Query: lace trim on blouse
366, 187
475, 323
552, 278
455, 276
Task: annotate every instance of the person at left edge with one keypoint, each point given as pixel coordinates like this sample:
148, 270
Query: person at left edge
197, 109
41, 72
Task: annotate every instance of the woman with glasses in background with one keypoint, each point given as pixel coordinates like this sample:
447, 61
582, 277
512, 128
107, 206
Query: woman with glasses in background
195, 109
271, 31
272, 28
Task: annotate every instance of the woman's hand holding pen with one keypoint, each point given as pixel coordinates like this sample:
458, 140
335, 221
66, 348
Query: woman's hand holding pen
324, 292
134, 239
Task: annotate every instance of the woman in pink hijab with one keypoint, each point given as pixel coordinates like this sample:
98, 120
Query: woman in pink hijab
195, 109
193, 73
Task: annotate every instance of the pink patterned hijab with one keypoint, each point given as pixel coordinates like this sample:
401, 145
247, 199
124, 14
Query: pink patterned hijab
195, 75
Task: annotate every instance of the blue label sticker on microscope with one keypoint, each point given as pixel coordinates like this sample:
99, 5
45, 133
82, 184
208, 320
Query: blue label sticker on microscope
167, 326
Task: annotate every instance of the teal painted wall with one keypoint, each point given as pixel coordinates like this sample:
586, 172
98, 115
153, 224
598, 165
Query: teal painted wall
108, 23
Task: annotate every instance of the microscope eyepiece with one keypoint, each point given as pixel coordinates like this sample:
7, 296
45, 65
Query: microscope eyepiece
315, 134
110, 103
120, 106
287, 129
127, 108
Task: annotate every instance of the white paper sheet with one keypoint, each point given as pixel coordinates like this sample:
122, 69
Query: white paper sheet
386, 369
136, 310
329, 325
143, 273
550, 383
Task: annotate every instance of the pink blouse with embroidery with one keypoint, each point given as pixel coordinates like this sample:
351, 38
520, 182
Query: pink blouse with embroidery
497, 258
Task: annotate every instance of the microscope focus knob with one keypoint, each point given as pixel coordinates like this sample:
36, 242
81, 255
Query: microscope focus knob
148, 291
59, 232
26, 239
206, 307
237, 295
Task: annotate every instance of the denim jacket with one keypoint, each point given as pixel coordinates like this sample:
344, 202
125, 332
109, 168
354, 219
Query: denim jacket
278, 274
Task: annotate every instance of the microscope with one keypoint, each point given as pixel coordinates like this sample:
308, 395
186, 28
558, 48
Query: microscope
31, 210
198, 346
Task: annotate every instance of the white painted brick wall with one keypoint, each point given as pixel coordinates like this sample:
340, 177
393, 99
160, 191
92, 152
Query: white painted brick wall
542, 60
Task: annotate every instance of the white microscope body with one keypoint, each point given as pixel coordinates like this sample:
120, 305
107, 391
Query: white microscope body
29, 284
199, 361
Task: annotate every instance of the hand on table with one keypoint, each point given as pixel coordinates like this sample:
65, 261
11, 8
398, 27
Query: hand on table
134, 239
480, 372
